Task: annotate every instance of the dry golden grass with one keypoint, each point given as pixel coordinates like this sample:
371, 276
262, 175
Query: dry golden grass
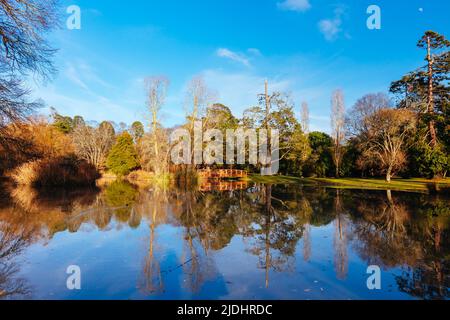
141, 178
26, 174
55, 172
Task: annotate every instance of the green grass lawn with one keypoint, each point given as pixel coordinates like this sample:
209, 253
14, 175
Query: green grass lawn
413, 184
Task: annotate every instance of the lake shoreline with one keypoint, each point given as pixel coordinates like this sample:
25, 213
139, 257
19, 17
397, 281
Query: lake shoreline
419, 185
410, 185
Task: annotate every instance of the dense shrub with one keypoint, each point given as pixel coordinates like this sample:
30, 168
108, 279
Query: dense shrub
320, 163
61, 171
428, 162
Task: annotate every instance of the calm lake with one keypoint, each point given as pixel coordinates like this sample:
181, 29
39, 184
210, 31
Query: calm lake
224, 241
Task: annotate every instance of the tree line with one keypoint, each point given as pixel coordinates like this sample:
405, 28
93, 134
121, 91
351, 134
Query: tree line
405, 133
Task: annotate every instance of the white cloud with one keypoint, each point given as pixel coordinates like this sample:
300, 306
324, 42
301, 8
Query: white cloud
294, 5
331, 28
237, 57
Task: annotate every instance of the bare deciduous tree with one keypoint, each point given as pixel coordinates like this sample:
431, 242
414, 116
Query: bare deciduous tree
23, 49
198, 98
22, 26
93, 144
357, 120
157, 163
156, 95
338, 128
305, 117
385, 138
14, 106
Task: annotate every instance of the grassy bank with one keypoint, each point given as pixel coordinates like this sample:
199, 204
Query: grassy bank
414, 184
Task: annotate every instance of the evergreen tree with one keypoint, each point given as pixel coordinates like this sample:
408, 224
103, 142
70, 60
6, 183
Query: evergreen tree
63, 123
320, 162
137, 130
78, 121
123, 157
108, 127
427, 92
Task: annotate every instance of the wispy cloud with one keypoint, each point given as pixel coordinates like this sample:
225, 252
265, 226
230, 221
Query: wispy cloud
254, 51
97, 108
83, 75
82, 91
294, 5
237, 57
331, 28
74, 75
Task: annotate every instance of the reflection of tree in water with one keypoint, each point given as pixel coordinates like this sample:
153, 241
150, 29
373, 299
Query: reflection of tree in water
13, 240
382, 232
383, 229
274, 232
390, 237
429, 278
340, 238
49, 211
299, 204
210, 221
198, 265
46, 213
208, 226
121, 196
154, 205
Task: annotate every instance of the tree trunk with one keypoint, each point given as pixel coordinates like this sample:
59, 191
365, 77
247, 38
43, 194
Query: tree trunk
430, 110
267, 98
337, 157
389, 175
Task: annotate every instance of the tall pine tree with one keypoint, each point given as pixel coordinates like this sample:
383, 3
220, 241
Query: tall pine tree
427, 92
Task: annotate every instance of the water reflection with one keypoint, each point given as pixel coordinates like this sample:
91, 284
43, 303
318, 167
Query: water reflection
189, 234
12, 242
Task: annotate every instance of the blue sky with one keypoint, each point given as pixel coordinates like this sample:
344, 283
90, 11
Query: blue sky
306, 47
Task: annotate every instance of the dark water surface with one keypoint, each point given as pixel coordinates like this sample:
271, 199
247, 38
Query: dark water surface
260, 242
